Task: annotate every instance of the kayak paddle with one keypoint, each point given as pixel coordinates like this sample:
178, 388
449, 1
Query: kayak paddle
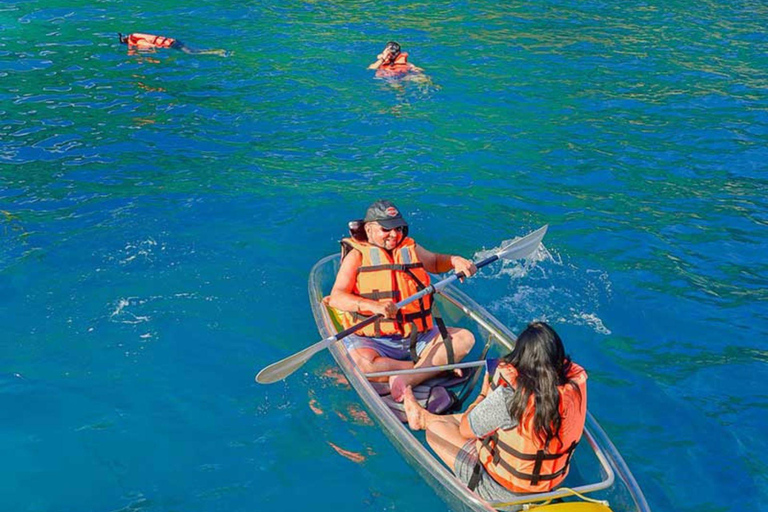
517, 249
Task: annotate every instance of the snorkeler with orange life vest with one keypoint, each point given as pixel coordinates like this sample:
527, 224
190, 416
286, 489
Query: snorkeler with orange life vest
140, 41
393, 63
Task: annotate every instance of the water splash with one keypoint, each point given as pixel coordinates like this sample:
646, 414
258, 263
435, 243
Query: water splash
544, 287
122, 316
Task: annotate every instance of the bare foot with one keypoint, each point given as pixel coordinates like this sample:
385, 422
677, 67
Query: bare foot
397, 386
413, 411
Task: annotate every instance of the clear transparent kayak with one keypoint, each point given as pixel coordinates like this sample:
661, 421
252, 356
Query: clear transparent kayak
598, 481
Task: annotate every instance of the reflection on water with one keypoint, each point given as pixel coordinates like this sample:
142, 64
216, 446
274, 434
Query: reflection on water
159, 213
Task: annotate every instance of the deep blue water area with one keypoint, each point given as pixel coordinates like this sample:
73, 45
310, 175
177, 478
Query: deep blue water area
160, 213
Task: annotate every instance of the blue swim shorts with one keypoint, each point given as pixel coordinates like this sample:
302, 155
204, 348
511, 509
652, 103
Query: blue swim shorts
392, 347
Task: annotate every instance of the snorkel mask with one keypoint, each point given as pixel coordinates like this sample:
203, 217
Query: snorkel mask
394, 50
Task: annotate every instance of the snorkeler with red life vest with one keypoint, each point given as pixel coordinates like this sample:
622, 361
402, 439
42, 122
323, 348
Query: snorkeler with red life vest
393, 63
140, 41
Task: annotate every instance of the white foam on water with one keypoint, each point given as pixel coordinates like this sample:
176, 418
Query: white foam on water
544, 288
122, 316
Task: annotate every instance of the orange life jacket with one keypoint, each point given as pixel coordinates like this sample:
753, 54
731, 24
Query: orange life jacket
394, 275
517, 458
149, 41
399, 67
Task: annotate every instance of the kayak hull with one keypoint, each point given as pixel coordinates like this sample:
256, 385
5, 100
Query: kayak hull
598, 472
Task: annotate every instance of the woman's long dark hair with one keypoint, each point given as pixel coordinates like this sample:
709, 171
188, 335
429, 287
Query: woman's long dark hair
542, 365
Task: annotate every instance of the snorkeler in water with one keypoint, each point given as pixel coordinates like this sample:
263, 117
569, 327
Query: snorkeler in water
149, 41
392, 62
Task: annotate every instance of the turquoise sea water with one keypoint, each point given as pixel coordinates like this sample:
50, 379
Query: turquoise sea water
159, 214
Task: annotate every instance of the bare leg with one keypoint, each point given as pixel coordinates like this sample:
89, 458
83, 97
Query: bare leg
443, 433
444, 438
220, 53
187, 49
369, 361
434, 354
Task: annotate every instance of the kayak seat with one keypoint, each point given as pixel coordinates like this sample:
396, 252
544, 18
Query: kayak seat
433, 394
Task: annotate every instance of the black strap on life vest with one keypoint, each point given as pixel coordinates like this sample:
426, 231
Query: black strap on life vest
539, 457
359, 317
447, 338
400, 320
424, 311
407, 269
503, 382
346, 248
378, 294
444, 334
412, 343
418, 319
402, 267
475, 478
403, 319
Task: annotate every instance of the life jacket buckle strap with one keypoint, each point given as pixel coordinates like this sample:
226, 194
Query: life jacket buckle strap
412, 345
475, 478
537, 467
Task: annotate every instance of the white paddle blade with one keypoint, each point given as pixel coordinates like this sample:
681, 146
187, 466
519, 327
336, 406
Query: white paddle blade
518, 249
283, 368
523, 247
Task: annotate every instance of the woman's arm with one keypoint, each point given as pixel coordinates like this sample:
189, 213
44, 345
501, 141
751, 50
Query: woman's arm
464, 427
490, 414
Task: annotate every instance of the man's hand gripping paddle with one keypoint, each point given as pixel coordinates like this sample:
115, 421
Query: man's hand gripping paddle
518, 249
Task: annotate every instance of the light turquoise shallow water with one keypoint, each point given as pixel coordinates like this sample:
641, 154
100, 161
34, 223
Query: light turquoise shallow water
159, 214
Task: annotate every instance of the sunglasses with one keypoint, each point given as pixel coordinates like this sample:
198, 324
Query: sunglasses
399, 229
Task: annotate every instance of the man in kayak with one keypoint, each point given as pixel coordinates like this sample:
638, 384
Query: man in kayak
519, 434
393, 63
148, 41
381, 266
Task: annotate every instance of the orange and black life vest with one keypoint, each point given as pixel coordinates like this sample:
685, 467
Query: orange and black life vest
398, 67
517, 458
149, 41
394, 275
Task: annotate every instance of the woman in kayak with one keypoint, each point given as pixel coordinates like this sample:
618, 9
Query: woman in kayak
393, 63
520, 433
380, 266
148, 41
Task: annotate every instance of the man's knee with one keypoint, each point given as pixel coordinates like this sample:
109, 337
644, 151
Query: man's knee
463, 341
362, 361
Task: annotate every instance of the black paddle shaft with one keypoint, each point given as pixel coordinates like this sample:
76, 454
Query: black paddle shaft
429, 289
